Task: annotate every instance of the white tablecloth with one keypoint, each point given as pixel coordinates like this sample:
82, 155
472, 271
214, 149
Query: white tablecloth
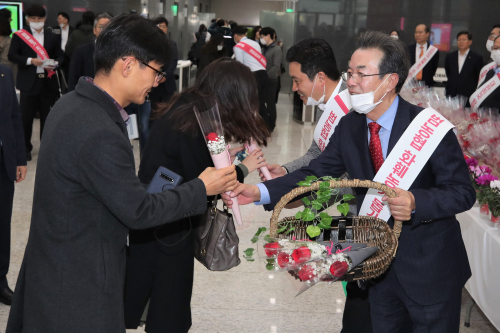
482, 242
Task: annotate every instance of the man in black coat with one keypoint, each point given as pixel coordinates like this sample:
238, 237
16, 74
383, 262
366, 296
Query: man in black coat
64, 30
462, 67
38, 91
422, 33
12, 169
82, 61
493, 99
87, 194
423, 285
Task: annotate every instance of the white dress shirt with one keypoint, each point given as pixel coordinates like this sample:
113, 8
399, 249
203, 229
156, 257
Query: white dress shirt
418, 50
246, 59
64, 37
40, 38
461, 60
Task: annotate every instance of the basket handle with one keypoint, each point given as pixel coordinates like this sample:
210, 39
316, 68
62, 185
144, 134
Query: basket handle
333, 184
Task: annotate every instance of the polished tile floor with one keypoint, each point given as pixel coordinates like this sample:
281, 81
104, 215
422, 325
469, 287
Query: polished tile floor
243, 299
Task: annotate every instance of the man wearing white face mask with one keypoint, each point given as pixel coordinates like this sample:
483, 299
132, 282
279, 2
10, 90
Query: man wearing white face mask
495, 32
249, 53
487, 94
423, 286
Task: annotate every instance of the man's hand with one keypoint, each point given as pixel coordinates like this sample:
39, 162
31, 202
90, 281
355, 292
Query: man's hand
21, 173
219, 181
36, 62
276, 171
402, 205
234, 151
246, 194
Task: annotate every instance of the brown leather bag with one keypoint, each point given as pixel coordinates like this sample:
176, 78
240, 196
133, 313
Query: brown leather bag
215, 239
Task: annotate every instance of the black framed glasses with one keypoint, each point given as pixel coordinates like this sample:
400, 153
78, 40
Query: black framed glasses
357, 77
159, 74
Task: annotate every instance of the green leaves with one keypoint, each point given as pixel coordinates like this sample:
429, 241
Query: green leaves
255, 238
280, 230
311, 178
304, 183
290, 230
343, 208
324, 186
308, 215
248, 254
313, 231
348, 197
306, 201
316, 205
298, 216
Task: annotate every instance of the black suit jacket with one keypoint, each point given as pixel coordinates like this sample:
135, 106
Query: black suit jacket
493, 100
465, 82
429, 69
431, 261
57, 30
19, 53
165, 90
86, 198
82, 64
11, 128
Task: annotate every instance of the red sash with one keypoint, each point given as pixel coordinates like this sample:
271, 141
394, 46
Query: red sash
35, 46
253, 52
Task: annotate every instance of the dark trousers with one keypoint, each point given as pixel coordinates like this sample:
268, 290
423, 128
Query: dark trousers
166, 280
393, 311
356, 318
279, 89
40, 98
272, 87
262, 83
6, 201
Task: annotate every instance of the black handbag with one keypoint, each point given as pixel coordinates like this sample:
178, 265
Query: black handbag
215, 239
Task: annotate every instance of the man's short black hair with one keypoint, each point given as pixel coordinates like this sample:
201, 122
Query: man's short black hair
469, 35
240, 30
314, 55
426, 27
395, 57
88, 17
233, 24
268, 31
5, 13
496, 26
36, 10
221, 22
160, 20
63, 14
130, 35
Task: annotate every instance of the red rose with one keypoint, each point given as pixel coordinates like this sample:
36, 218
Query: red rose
339, 268
469, 127
302, 254
212, 137
271, 249
306, 273
283, 259
466, 144
474, 116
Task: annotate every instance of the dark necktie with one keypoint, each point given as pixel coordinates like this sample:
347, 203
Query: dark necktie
375, 146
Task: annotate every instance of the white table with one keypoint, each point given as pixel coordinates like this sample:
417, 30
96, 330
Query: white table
482, 242
181, 64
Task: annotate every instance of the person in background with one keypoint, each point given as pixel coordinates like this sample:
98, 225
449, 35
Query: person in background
495, 32
222, 27
212, 51
160, 264
4, 12
12, 169
257, 67
64, 30
274, 56
82, 62
201, 40
493, 99
83, 33
394, 34
5, 40
256, 34
422, 41
38, 91
462, 68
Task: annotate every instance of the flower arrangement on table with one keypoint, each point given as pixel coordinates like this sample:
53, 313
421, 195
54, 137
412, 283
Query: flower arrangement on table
486, 186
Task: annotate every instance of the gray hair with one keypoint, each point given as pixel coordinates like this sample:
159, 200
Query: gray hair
101, 16
395, 54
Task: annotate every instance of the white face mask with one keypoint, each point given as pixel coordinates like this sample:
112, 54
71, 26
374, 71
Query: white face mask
220, 47
495, 55
363, 103
312, 101
263, 41
489, 45
395, 36
37, 25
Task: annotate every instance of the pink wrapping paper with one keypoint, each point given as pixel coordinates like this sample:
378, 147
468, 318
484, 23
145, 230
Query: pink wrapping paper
265, 171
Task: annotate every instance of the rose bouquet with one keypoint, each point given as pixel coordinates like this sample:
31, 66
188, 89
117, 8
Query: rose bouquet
211, 127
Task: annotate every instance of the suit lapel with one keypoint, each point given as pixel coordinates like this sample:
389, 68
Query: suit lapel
401, 122
360, 138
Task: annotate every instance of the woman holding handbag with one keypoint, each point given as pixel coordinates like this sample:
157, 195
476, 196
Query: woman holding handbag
160, 264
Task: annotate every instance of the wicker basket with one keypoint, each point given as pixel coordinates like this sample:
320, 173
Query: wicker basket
365, 229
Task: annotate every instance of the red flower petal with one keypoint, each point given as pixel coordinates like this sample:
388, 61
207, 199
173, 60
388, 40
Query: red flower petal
306, 273
212, 136
339, 268
283, 259
302, 254
271, 249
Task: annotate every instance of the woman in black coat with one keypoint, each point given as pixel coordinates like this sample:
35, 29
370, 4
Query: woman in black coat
212, 51
160, 264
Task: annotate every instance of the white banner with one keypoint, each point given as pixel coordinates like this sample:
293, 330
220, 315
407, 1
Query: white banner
485, 71
484, 91
421, 62
335, 109
407, 159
